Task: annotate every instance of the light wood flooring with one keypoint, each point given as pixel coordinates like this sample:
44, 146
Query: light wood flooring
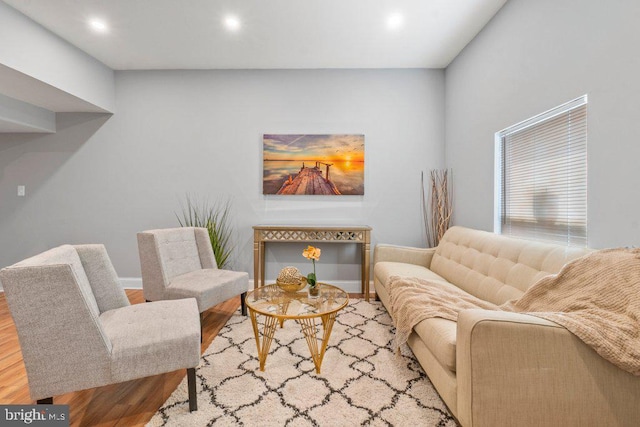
126, 404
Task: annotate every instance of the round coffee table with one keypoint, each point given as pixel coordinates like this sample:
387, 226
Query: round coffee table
277, 306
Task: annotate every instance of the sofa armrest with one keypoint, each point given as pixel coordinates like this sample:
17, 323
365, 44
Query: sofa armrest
517, 369
409, 255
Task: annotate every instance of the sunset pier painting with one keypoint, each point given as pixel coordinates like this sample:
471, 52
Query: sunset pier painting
313, 164
310, 181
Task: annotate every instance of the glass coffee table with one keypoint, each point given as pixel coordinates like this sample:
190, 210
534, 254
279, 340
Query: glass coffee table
277, 306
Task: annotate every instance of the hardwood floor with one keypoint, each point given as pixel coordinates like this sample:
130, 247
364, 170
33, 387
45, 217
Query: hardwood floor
126, 404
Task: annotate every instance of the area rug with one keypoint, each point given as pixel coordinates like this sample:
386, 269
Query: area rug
362, 380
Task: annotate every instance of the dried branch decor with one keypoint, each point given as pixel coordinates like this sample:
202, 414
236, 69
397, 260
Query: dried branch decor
437, 206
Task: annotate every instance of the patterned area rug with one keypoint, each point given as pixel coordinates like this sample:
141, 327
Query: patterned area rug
362, 380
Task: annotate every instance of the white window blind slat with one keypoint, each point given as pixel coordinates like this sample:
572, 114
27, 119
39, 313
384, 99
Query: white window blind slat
543, 170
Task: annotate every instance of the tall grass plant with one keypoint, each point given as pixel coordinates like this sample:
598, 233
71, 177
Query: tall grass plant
216, 218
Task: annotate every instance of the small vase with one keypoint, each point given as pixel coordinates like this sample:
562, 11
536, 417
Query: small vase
313, 292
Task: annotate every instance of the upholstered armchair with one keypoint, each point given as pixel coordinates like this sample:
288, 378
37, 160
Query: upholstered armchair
179, 263
77, 329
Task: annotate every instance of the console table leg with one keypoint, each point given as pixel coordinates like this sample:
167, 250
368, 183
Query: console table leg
366, 257
262, 266
256, 262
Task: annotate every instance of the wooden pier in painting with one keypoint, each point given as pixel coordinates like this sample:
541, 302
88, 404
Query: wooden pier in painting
310, 181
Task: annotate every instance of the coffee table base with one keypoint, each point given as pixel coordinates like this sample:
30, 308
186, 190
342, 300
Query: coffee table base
308, 327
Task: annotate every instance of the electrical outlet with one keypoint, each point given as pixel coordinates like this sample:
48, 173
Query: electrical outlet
21, 190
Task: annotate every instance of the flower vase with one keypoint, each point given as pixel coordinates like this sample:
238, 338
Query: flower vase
313, 292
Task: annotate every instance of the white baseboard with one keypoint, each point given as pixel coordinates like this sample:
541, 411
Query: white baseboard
351, 286
131, 282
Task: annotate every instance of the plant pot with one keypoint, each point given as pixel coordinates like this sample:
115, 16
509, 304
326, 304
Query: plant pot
314, 292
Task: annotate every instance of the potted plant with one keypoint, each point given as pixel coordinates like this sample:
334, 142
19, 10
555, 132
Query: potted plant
216, 218
313, 254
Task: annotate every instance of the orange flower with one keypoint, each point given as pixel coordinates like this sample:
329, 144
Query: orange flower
311, 253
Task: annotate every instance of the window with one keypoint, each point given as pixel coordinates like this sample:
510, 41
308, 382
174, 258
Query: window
541, 176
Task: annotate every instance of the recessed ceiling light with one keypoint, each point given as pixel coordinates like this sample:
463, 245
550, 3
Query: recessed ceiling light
395, 21
232, 23
98, 25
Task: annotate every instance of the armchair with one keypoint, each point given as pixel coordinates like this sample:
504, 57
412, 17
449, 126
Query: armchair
77, 329
179, 263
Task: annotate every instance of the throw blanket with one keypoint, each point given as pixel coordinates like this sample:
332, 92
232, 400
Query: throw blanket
414, 300
596, 297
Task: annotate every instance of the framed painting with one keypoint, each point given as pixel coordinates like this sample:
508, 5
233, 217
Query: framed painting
328, 165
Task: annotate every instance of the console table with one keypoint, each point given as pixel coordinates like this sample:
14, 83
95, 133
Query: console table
292, 233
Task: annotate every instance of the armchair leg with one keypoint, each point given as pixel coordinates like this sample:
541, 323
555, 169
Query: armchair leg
201, 320
191, 385
243, 303
46, 401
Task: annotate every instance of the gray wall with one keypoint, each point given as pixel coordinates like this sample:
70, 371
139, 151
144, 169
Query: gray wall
533, 56
29, 49
102, 178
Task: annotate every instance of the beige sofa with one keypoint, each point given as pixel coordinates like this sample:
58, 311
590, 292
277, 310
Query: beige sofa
499, 368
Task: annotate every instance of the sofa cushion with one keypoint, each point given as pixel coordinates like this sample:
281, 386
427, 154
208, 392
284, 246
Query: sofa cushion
497, 268
439, 335
154, 337
208, 286
384, 270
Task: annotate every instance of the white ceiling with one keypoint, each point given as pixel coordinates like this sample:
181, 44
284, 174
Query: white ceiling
189, 34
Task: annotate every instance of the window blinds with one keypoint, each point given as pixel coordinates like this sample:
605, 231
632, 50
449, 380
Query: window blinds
544, 176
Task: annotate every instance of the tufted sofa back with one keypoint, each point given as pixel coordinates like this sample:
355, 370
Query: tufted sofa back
497, 268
